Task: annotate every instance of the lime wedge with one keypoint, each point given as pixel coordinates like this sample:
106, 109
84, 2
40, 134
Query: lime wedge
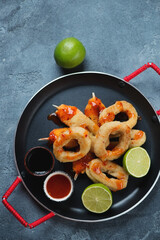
137, 162
97, 198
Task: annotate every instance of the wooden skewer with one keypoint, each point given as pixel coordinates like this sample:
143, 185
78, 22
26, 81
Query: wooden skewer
43, 139
93, 95
75, 176
55, 106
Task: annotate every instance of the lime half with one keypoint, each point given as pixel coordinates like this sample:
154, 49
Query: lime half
137, 162
97, 198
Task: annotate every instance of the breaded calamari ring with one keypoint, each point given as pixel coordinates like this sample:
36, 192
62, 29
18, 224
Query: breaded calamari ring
87, 171
138, 138
73, 117
96, 173
78, 133
109, 113
55, 133
103, 140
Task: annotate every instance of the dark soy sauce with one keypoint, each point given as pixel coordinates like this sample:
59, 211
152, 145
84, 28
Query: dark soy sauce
39, 161
53, 117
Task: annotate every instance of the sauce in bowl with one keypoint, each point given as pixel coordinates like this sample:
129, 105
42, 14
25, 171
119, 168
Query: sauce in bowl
58, 186
39, 161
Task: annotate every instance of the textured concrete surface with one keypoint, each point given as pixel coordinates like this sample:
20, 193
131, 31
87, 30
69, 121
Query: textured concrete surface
119, 37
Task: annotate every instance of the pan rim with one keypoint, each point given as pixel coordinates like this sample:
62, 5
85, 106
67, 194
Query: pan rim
57, 214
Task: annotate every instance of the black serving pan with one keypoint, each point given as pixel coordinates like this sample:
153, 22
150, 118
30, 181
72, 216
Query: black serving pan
75, 89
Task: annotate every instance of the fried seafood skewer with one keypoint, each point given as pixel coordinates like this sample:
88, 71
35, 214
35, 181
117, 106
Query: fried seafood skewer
108, 114
67, 115
73, 117
138, 138
82, 137
54, 134
93, 108
103, 140
97, 169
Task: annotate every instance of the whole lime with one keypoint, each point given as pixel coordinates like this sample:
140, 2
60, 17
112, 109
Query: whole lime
69, 53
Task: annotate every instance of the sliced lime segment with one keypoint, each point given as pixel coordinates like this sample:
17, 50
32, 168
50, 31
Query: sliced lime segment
97, 198
137, 162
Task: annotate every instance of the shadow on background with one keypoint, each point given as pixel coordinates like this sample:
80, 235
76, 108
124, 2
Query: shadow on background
80, 68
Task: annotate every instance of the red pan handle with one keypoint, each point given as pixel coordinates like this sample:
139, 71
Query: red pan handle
140, 70
16, 214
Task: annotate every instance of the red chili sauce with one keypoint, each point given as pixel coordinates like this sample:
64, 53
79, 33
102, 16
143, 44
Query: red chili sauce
58, 186
66, 112
93, 109
54, 118
80, 165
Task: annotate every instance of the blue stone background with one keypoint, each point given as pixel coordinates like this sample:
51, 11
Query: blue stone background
119, 37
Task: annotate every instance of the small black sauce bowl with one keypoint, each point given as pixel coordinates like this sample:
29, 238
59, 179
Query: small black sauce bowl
39, 161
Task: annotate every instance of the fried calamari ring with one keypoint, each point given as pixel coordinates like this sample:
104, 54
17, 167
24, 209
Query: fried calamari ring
96, 173
138, 138
73, 117
55, 133
90, 175
108, 114
78, 133
103, 140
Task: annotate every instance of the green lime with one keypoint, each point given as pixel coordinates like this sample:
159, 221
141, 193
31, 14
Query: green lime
97, 198
69, 53
137, 162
